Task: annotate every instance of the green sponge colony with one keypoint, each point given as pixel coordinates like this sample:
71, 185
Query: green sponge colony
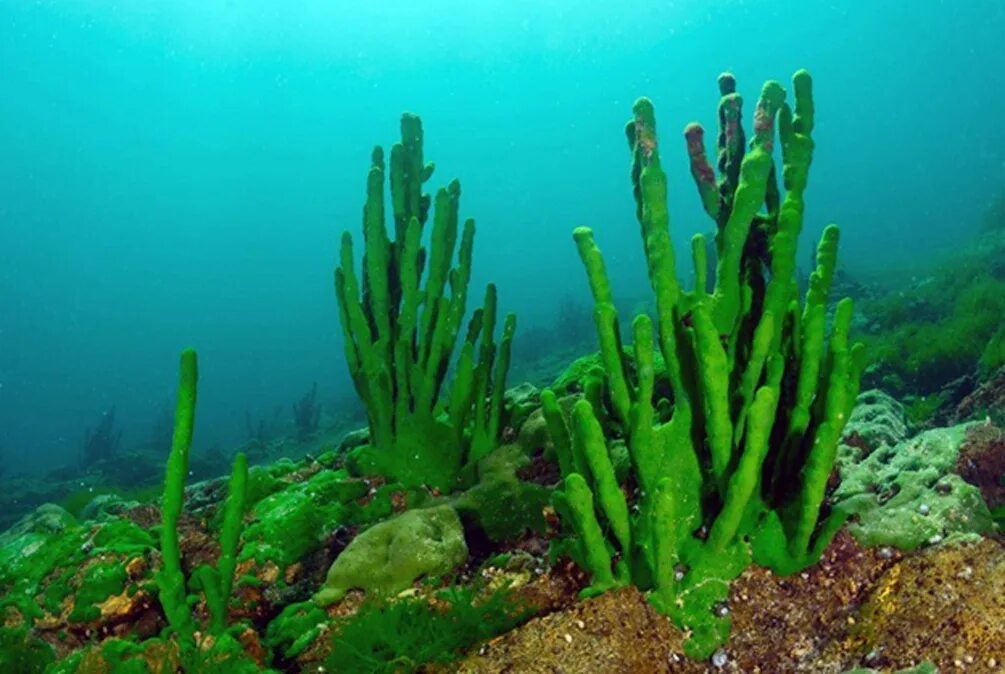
388, 557
737, 460
402, 324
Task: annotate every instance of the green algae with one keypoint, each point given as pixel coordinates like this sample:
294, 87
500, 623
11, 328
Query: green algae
296, 628
20, 651
294, 521
947, 327
44, 553
401, 636
101, 580
384, 501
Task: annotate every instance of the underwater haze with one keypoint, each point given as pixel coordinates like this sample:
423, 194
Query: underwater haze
178, 173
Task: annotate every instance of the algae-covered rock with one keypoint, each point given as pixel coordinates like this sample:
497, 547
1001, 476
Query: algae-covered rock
521, 400
987, 401
877, 419
907, 495
106, 506
390, 556
65, 583
291, 522
501, 504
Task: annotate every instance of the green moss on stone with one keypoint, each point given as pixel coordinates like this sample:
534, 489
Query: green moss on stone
99, 582
294, 521
22, 652
402, 636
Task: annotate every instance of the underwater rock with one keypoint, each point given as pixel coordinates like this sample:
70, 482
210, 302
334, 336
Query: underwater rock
533, 434
48, 518
946, 606
522, 395
104, 506
857, 608
781, 623
21, 495
616, 632
64, 584
294, 521
982, 462
390, 556
907, 495
986, 402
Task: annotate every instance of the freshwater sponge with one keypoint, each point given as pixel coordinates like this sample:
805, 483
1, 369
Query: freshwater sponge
736, 462
390, 556
401, 327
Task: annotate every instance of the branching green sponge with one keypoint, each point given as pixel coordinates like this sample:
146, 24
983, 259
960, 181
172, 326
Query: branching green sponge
401, 328
759, 396
215, 582
171, 578
390, 556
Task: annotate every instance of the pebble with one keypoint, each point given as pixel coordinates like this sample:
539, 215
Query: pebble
719, 658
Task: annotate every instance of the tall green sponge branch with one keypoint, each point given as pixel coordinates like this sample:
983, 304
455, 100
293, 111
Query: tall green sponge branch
402, 323
215, 582
735, 467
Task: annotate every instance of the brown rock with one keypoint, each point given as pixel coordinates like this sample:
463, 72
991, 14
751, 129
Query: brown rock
781, 623
617, 632
982, 462
987, 400
945, 605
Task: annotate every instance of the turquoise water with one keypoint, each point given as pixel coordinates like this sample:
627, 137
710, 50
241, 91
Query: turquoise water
178, 173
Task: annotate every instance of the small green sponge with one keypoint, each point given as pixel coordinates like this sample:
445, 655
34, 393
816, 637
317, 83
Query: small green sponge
390, 556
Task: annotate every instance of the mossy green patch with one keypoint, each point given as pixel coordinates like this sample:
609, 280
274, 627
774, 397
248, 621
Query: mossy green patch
296, 628
22, 652
907, 495
379, 503
100, 581
947, 326
400, 636
294, 521
993, 356
48, 561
